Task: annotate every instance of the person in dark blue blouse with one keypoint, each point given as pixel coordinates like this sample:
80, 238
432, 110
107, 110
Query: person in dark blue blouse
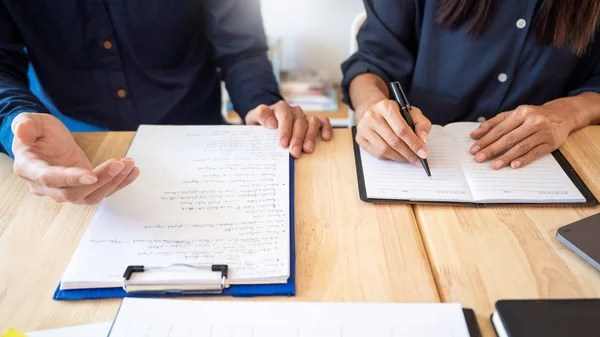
113, 65
528, 69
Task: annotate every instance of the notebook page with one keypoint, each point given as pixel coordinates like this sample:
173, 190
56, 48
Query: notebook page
386, 179
171, 318
543, 181
206, 194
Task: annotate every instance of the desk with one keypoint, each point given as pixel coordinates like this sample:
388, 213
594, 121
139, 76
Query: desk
347, 250
5, 167
479, 256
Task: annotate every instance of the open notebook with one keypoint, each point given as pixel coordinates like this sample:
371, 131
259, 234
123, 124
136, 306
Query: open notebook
457, 179
207, 195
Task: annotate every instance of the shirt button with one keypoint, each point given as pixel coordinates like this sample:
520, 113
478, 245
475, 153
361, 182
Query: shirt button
521, 23
107, 45
502, 78
481, 119
121, 93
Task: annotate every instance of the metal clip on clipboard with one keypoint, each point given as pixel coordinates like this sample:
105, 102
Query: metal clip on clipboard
133, 283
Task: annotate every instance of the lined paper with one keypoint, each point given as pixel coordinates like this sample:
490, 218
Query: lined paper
542, 181
206, 195
171, 318
405, 181
456, 177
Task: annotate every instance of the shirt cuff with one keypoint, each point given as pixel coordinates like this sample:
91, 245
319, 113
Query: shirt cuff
592, 85
353, 69
251, 83
266, 98
6, 134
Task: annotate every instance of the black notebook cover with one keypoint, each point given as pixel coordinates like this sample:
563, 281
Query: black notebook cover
591, 200
550, 318
472, 324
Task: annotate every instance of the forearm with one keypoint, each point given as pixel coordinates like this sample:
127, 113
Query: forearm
366, 90
250, 83
240, 49
585, 108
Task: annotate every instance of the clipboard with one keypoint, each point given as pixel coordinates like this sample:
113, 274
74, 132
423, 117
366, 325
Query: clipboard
218, 288
590, 199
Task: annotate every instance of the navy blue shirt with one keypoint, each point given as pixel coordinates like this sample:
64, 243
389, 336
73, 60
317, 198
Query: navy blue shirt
119, 64
452, 76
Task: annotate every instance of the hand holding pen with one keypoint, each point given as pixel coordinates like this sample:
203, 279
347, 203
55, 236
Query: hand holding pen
405, 109
384, 132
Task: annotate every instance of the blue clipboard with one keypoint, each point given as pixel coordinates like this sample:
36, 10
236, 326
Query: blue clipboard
282, 289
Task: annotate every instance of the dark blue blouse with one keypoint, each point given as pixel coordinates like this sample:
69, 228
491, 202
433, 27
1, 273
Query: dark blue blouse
452, 76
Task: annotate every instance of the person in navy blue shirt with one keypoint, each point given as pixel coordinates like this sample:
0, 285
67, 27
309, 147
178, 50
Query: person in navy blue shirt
528, 69
118, 64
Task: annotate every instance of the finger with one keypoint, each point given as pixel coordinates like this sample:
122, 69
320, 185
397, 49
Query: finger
58, 176
504, 128
391, 113
535, 153
380, 148
299, 132
99, 194
373, 150
487, 126
505, 143
398, 146
422, 124
285, 120
314, 125
27, 128
133, 175
105, 172
266, 117
39, 171
326, 128
517, 150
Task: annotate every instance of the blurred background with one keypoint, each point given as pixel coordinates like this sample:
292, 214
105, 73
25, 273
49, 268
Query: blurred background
314, 34
309, 39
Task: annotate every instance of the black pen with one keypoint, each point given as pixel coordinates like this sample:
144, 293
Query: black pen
405, 110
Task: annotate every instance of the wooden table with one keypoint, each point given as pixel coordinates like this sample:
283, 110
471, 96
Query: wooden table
479, 256
347, 250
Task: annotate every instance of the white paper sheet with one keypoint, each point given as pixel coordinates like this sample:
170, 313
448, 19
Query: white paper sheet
170, 318
206, 195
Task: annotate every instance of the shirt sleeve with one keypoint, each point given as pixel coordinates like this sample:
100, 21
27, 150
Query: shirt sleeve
235, 30
587, 73
387, 44
15, 96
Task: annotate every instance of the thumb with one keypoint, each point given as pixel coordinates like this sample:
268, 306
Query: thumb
262, 115
27, 128
422, 124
